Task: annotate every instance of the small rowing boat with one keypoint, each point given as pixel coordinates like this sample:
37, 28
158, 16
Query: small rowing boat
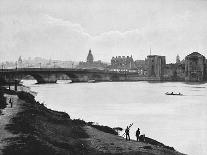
173, 94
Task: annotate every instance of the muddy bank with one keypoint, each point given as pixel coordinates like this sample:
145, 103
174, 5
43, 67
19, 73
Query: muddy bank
44, 131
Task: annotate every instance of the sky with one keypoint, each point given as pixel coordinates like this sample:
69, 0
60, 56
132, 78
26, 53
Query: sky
67, 29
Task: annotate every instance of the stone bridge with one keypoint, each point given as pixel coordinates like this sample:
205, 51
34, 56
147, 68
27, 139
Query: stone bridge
51, 75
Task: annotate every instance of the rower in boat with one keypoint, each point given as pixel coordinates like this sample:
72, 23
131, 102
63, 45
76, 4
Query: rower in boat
173, 93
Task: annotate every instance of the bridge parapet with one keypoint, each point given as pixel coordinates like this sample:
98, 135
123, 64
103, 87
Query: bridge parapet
51, 75
65, 70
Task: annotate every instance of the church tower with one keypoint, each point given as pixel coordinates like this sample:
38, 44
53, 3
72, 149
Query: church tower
177, 59
90, 57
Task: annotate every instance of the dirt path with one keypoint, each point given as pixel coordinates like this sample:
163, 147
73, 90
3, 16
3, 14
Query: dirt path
108, 143
7, 114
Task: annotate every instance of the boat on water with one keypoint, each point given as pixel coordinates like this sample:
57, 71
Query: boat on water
173, 94
91, 81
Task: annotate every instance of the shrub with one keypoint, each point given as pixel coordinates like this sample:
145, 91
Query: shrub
170, 148
79, 122
26, 97
2, 100
105, 129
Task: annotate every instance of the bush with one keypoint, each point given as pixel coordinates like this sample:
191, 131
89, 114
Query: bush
79, 122
26, 97
105, 129
169, 148
2, 100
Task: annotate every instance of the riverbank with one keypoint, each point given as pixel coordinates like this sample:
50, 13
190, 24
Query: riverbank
39, 130
7, 113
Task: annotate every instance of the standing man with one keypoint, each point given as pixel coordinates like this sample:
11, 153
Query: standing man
137, 134
127, 133
10, 101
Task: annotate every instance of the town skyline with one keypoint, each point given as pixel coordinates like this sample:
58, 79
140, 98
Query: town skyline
65, 30
103, 77
39, 58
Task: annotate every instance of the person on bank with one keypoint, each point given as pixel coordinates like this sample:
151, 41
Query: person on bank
137, 134
10, 101
127, 133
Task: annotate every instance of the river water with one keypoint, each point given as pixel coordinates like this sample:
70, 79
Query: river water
178, 121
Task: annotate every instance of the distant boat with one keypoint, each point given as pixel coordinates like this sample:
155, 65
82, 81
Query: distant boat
173, 94
91, 81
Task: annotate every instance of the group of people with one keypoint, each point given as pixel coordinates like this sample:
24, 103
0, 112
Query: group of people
139, 138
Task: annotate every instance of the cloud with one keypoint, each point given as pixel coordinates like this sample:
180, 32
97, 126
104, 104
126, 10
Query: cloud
66, 32
41, 35
47, 36
65, 23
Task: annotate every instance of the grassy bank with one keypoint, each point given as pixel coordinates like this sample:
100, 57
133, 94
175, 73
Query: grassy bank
44, 131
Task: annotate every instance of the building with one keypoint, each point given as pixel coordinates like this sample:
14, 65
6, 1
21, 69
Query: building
155, 66
141, 67
205, 77
19, 62
195, 67
122, 63
91, 64
89, 57
177, 59
174, 72
140, 64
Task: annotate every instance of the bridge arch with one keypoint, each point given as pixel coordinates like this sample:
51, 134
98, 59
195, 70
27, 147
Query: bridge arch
114, 77
40, 79
73, 77
28, 79
96, 77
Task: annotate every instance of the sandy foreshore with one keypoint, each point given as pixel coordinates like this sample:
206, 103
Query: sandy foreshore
30, 128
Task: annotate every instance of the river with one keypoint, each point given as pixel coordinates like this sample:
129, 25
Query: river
178, 121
